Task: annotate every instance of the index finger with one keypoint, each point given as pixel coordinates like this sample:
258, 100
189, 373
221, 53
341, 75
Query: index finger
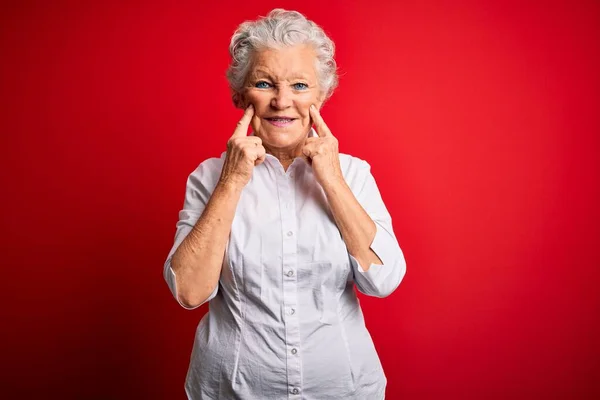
241, 129
320, 125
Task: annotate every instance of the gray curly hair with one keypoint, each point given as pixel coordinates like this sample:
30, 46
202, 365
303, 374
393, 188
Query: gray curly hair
280, 28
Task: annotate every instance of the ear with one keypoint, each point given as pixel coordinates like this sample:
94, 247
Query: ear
239, 100
236, 100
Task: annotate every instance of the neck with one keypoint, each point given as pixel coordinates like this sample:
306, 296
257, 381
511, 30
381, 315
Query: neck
285, 156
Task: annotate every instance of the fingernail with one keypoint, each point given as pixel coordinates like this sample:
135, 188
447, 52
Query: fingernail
250, 107
312, 107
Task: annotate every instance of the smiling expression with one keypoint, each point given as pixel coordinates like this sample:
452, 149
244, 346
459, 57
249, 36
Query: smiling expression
281, 85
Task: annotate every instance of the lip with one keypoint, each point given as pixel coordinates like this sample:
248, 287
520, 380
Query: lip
280, 121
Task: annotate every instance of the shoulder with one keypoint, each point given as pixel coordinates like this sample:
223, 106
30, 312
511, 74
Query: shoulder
207, 172
355, 171
210, 165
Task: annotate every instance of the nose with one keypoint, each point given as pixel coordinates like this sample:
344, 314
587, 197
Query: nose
282, 98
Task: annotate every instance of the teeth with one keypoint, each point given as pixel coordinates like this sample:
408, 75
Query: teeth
280, 119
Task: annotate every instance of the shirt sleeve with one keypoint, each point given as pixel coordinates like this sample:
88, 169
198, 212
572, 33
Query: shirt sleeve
199, 188
378, 280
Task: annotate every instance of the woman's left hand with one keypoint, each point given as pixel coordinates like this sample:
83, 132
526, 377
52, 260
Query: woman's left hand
322, 152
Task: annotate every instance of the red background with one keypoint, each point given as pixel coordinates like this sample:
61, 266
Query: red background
480, 120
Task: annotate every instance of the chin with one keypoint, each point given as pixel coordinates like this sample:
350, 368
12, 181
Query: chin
281, 137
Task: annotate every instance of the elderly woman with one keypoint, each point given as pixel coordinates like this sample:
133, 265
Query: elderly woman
277, 231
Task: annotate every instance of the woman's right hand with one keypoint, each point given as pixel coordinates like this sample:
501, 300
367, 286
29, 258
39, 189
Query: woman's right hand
243, 153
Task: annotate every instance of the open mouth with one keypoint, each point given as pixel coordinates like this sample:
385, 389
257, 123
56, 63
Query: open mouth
281, 121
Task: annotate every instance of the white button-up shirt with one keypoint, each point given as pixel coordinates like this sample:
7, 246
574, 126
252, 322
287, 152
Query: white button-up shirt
284, 322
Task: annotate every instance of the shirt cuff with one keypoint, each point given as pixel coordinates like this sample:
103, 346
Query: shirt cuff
381, 280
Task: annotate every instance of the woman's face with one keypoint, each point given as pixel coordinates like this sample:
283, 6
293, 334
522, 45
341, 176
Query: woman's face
281, 85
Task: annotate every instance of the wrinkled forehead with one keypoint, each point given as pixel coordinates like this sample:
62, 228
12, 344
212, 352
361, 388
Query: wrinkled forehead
284, 64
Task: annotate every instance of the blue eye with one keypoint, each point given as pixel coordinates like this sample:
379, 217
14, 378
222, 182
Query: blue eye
262, 85
300, 86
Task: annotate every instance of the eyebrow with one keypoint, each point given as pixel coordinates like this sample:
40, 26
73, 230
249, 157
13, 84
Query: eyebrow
258, 73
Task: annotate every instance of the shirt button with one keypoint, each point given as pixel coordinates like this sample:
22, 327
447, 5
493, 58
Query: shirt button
294, 351
295, 391
290, 273
290, 233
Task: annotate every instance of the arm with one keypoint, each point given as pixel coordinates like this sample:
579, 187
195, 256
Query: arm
357, 228
364, 222
378, 279
193, 267
197, 261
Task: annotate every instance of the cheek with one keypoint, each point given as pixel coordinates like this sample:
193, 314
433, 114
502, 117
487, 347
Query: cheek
257, 99
255, 123
303, 104
303, 108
